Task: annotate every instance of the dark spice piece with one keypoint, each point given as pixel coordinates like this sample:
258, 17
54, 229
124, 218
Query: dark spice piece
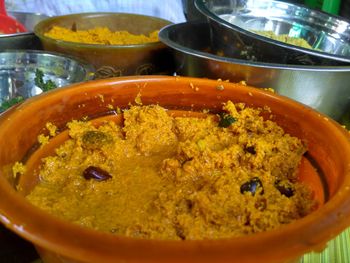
261, 204
284, 189
252, 186
95, 139
250, 149
180, 232
226, 120
74, 27
96, 173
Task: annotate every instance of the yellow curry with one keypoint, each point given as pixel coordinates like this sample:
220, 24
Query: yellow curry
162, 176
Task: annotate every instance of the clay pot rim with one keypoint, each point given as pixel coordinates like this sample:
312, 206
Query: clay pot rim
310, 232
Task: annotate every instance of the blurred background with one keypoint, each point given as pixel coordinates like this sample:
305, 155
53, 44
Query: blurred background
172, 10
166, 9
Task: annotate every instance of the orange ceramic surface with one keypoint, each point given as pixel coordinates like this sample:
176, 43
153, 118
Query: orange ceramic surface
60, 241
111, 60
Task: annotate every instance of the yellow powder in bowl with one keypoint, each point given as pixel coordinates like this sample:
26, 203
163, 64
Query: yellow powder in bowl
296, 41
101, 36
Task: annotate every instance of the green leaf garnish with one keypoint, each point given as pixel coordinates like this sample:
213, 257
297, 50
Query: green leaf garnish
39, 81
9, 103
226, 120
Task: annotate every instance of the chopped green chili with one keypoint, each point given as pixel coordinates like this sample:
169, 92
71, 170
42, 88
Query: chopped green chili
226, 120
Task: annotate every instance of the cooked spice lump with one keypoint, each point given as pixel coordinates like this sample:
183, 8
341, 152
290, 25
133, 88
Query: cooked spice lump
166, 177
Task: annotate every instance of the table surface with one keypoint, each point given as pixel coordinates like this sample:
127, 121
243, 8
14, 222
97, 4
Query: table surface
14, 249
338, 250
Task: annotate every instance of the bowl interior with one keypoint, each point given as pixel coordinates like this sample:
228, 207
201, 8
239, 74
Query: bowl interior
326, 35
328, 145
18, 71
321, 32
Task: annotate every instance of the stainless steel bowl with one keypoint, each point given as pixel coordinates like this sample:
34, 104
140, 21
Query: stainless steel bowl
25, 40
234, 24
324, 88
18, 71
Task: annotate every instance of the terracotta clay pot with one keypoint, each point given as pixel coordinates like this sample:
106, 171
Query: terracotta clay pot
60, 241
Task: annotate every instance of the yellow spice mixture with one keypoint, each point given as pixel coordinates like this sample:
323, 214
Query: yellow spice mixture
164, 177
296, 41
100, 35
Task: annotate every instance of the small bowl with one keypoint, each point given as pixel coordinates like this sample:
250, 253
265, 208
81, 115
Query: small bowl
61, 241
25, 40
18, 71
324, 88
233, 24
112, 60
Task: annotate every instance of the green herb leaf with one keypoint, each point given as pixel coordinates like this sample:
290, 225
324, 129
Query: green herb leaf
49, 85
226, 120
39, 81
9, 103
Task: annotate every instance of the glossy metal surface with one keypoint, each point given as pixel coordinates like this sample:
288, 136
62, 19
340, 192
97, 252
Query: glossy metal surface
232, 23
26, 40
326, 89
17, 72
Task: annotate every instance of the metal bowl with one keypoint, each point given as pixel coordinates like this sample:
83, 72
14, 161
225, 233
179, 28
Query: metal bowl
234, 24
18, 71
112, 60
25, 40
324, 88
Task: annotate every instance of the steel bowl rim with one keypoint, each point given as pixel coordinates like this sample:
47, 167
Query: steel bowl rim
210, 15
164, 37
89, 69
